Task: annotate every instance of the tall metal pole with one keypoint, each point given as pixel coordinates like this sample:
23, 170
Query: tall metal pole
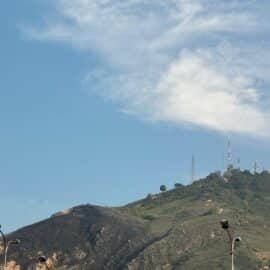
239, 164
192, 169
4, 239
6, 252
16, 242
233, 241
229, 160
226, 227
229, 154
255, 167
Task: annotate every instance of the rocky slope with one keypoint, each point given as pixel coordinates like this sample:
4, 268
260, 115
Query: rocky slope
178, 229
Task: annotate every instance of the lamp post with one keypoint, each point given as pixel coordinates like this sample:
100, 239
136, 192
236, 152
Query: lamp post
11, 242
233, 239
4, 239
43, 260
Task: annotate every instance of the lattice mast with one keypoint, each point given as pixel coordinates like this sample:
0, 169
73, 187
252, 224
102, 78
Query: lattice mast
239, 164
229, 159
192, 169
255, 167
229, 155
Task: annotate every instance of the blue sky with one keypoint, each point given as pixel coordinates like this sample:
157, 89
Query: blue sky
103, 101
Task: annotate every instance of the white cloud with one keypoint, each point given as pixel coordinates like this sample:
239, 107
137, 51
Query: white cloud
191, 62
194, 91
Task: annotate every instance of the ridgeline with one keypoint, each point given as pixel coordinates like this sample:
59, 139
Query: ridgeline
175, 230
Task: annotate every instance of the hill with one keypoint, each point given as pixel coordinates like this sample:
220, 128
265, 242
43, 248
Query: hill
176, 230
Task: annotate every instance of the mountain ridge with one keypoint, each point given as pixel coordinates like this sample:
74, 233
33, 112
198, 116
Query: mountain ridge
177, 229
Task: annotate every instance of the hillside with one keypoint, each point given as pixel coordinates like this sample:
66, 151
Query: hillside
178, 229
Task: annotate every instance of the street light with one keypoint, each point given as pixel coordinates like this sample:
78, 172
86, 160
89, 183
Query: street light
4, 238
233, 239
11, 242
43, 260
224, 224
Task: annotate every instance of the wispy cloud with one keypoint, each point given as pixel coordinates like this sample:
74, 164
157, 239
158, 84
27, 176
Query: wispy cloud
190, 62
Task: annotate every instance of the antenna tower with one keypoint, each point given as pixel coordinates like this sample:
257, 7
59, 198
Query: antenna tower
255, 167
229, 160
239, 164
229, 155
192, 169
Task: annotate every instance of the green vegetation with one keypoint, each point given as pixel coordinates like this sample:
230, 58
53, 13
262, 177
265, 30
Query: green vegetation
193, 213
175, 230
162, 188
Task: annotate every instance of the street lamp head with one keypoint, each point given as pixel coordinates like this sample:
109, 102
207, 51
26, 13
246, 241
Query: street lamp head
42, 259
237, 239
15, 242
224, 224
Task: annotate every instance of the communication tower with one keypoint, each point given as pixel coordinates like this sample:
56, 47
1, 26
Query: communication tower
192, 169
255, 167
229, 160
239, 164
229, 154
